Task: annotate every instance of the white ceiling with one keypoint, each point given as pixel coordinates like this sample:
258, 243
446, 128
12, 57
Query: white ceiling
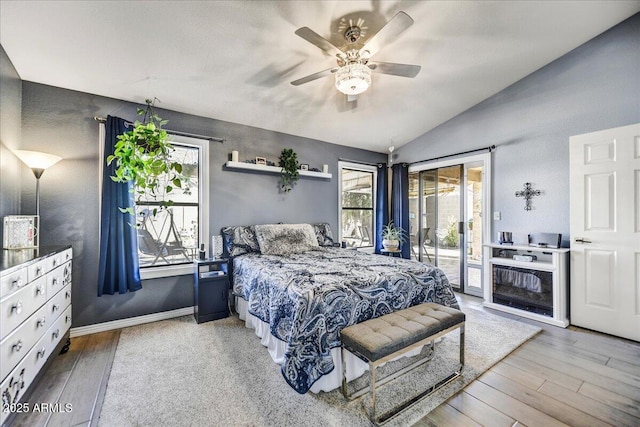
233, 60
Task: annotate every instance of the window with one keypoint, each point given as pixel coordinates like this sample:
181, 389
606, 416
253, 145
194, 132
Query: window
168, 242
357, 204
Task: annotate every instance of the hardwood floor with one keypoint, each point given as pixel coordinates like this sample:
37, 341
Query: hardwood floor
78, 377
560, 377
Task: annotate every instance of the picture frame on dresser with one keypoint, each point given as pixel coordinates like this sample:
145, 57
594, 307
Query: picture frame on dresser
35, 305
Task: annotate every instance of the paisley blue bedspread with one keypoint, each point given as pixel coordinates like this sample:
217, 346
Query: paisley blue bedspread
308, 298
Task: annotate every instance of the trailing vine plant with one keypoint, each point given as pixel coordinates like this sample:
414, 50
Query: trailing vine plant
289, 165
143, 156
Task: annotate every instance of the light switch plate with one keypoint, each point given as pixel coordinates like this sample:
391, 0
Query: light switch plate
497, 216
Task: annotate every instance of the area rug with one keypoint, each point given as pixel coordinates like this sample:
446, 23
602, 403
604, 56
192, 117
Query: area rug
176, 372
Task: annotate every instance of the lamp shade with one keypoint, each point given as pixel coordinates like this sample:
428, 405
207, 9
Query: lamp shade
36, 159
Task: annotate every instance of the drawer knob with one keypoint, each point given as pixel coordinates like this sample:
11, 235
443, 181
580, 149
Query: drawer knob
38, 271
67, 319
67, 295
55, 281
41, 352
55, 308
56, 333
55, 262
39, 290
17, 307
17, 283
41, 322
17, 346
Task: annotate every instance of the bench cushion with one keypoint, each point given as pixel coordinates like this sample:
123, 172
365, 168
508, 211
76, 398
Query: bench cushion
380, 337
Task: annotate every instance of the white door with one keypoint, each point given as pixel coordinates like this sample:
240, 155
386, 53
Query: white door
605, 231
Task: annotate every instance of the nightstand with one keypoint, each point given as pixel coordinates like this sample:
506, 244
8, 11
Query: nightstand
210, 289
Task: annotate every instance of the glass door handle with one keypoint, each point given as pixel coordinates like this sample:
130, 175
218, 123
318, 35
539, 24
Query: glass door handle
460, 227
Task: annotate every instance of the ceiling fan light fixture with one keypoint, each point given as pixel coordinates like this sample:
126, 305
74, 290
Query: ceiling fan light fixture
353, 79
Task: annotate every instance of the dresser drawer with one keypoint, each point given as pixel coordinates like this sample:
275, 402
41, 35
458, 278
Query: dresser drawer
19, 342
12, 282
55, 281
57, 304
19, 380
37, 269
56, 260
19, 306
57, 330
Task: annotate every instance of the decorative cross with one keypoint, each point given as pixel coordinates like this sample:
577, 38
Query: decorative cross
527, 193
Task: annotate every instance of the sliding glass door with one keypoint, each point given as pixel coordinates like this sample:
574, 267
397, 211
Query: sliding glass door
445, 210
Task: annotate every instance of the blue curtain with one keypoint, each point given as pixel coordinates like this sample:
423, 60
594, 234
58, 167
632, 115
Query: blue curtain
400, 203
382, 204
119, 268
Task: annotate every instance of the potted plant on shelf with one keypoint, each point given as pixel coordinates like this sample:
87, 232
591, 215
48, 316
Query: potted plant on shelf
392, 237
143, 156
289, 165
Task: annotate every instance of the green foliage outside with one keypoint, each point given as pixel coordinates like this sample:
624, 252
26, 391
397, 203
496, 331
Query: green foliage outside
452, 238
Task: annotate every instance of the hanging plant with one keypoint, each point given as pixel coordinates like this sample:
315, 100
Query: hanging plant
289, 165
143, 156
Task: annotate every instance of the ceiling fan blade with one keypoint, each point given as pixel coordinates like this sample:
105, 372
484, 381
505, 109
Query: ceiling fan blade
396, 25
402, 70
314, 38
314, 76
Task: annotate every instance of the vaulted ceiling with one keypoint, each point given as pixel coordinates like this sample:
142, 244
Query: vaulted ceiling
234, 60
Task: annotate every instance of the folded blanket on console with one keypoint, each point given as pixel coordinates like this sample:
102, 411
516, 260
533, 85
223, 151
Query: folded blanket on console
519, 279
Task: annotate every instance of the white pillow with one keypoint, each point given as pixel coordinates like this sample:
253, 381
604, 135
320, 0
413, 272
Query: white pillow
285, 239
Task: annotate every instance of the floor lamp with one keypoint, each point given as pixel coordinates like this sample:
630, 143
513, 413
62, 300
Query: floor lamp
38, 162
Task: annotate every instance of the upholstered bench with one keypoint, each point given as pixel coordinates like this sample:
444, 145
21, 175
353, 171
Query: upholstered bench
385, 338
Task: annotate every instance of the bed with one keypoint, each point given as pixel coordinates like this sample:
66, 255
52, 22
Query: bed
299, 291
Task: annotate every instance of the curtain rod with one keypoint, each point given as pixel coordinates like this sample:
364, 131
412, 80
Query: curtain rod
172, 132
490, 148
360, 162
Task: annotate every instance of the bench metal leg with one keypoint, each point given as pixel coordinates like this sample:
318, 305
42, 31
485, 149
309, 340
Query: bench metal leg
375, 384
384, 380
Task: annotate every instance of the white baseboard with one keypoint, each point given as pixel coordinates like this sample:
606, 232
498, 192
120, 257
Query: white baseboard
131, 321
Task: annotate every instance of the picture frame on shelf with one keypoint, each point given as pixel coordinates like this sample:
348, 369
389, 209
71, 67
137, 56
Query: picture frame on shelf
261, 161
304, 167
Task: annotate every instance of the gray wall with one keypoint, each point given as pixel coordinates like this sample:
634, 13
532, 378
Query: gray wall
596, 86
10, 136
61, 121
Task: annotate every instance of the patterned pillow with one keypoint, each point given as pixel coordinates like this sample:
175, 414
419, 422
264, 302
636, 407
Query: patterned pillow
240, 239
323, 234
285, 239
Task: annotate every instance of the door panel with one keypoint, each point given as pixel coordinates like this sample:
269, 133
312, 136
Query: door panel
473, 205
605, 229
445, 211
600, 190
600, 277
448, 217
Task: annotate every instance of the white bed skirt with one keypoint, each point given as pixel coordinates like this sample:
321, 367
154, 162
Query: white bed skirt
276, 347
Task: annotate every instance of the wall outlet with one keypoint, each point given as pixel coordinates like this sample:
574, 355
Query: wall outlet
497, 216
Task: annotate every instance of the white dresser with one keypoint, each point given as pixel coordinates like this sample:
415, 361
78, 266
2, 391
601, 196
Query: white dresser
35, 317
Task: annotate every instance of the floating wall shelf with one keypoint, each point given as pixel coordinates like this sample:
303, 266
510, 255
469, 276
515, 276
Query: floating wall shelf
273, 169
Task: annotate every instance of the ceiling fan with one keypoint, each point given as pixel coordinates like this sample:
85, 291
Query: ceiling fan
353, 73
